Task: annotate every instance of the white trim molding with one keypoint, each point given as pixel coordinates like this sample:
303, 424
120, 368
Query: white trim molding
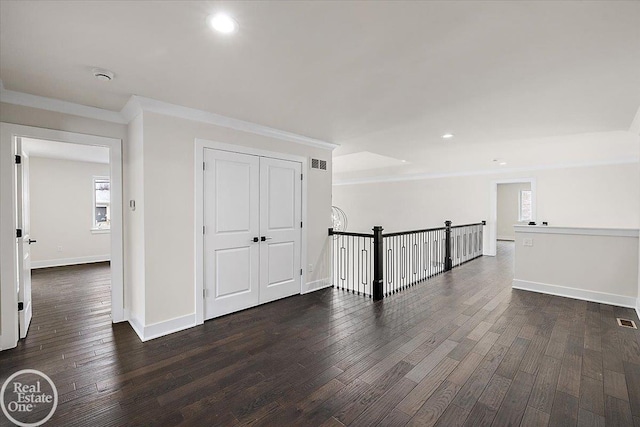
70, 261
138, 104
638, 307
59, 106
581, 294
577, 231
316, 285
160, 329
425, 176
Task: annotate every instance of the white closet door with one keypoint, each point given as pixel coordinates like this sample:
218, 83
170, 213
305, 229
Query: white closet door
231, 220
280, 216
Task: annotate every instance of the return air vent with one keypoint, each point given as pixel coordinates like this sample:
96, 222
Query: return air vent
626, 323
319, 164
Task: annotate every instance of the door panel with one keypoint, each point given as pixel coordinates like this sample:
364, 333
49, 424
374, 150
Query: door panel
280, 216
24, 253
279, 264
230, 281
231, 220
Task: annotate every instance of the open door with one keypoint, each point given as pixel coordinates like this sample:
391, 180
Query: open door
23, 240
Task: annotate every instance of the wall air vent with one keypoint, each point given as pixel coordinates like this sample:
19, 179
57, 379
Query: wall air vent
319, 164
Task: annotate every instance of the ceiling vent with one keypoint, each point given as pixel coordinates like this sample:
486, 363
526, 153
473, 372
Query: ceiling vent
319, 164
102, 74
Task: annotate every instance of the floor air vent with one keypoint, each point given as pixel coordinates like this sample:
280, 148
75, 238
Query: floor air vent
319, 164
626, 323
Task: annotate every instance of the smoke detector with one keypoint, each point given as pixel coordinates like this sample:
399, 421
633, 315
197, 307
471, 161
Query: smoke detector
102, 74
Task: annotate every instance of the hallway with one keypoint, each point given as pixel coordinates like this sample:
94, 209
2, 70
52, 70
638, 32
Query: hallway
459, 349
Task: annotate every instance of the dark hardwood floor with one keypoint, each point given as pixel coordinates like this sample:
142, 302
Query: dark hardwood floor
459, 349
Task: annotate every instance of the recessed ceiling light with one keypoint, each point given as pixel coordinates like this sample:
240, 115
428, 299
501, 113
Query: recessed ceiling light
403, 161
222, 23
503, 163
447, 136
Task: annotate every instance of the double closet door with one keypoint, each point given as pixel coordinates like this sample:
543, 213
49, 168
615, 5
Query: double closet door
252, 235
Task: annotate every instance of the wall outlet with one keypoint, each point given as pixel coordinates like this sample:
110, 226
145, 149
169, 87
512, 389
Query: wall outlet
59, 248
310, 268
527, 242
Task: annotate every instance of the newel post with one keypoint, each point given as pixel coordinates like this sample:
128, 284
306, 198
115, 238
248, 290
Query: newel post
448, 264
378, 256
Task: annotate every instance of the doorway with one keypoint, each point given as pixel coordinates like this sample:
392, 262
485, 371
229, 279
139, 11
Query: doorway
23, 147
514, 207
493, 224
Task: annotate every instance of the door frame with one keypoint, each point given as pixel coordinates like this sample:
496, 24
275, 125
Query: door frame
200, 145
8, 249
491, 245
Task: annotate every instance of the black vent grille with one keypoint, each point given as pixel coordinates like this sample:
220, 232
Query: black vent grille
319, 164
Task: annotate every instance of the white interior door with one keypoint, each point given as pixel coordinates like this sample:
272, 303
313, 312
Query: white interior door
24, 242
280, 226
231, 221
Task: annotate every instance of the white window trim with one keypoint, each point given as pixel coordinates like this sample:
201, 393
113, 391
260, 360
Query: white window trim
520, 218
94, 228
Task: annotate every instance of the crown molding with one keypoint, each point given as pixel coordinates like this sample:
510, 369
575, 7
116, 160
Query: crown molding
137, 104
59, 106
424, 176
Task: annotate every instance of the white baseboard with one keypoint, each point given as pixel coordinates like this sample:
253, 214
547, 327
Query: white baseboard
69, 261
160, 329
508, 238
638, 307
316, 285
8, 344
581, 294
136, 324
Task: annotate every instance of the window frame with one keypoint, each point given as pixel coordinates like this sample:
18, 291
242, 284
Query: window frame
95, 229
520, 217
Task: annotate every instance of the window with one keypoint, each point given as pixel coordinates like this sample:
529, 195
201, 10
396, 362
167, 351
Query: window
525, 209
101, 203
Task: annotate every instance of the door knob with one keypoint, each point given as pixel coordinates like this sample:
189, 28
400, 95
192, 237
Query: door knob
264, 238
32, 241
255, 239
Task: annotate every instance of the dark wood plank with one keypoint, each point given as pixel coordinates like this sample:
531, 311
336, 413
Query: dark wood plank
436, 405
565, 410
617, 412
592, 395
462, 348
515, 401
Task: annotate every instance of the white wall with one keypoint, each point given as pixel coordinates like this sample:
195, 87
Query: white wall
134, 262
61, 213
169, 201
594, 265
595, 196
508, 208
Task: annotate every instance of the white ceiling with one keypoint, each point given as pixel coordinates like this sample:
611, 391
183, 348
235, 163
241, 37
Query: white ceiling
385, 77
65, 151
